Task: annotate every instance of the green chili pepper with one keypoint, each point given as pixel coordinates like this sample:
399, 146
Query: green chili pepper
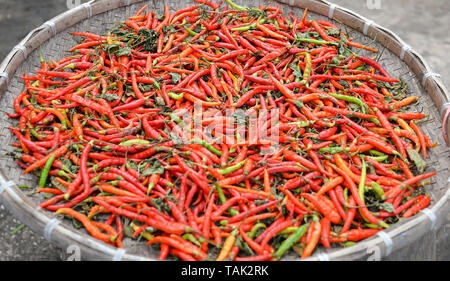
362, 181
134, 141
190, 237
174, 96
198, 164
346, 198
276, 24
247, 27
378, 190
377, 158
33, 131
41, 56
375, 120
78, 146
157, 85
192, 33
308, 66
315, 41
288, 230
236, 6
376, 152
361, 190
254, 229
19, 228
220, 193
351, 99
223, 200
208, 146
290, 241
371, 225
332, 149
62, 173
175, 118
46, 170
244, 28
303, 124
231, 169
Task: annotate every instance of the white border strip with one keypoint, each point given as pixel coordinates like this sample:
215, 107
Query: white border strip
52, 26
444, 109
49, 227
5, 75
118, 255
405, 48
367, 24
87, 6
428, 75
5, 185
23, 49
331, 11
323, 257
430, 214
387, 241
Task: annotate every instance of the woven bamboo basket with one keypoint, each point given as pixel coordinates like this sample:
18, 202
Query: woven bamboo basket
98, 16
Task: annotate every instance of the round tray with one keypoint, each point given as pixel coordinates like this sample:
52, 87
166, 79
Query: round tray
99, 16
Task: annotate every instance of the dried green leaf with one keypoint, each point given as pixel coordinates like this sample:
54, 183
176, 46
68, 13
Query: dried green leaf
417, 159
388, 207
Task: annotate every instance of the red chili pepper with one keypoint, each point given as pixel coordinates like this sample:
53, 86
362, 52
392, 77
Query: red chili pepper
315, 228
374, 64
326, 209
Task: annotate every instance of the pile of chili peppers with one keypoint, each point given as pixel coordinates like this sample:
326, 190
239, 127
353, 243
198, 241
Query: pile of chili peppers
98, 126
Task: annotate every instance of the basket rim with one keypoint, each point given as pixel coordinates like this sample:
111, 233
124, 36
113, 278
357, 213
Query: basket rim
50, 227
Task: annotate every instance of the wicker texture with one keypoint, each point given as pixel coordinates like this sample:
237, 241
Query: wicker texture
62, 232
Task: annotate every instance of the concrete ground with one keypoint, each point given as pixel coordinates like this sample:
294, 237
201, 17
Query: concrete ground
422, 24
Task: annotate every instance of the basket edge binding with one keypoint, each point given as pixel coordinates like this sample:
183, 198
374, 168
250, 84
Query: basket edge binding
50, 227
